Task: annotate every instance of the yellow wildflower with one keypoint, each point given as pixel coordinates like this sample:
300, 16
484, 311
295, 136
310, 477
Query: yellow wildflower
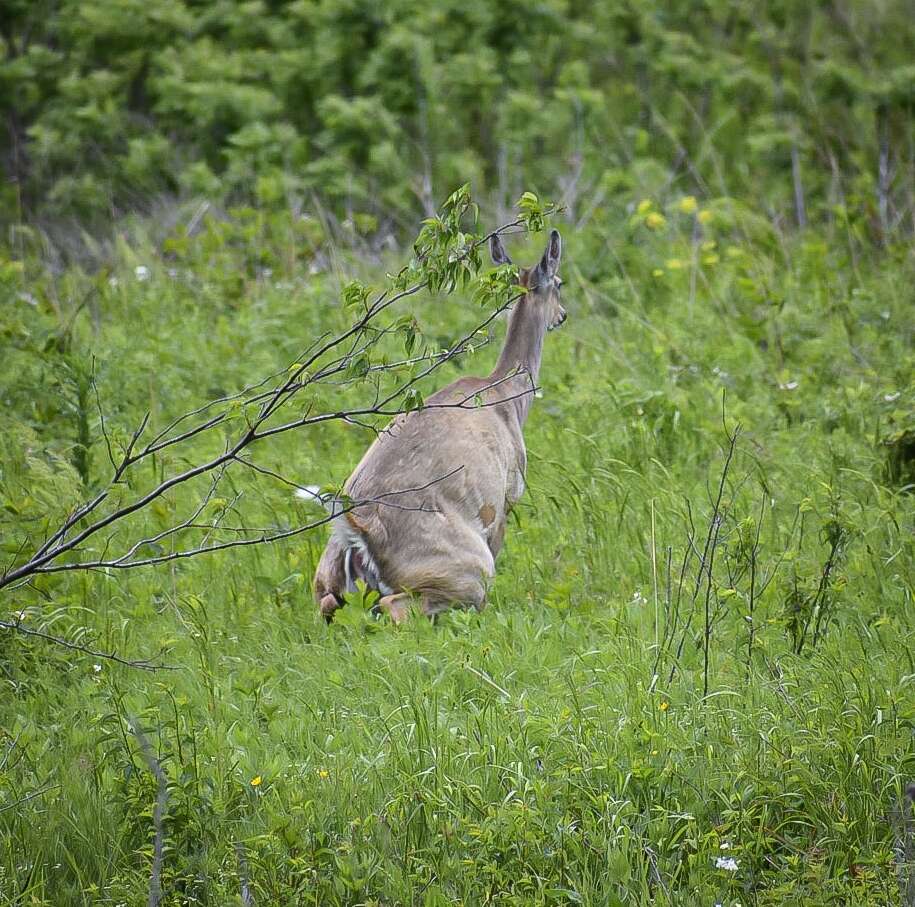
688, 204
256, 781
705, 217
644, 206
664, 705
323, 774
654, 220
657, 272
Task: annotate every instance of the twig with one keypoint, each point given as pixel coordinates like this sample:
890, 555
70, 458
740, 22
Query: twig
267, 537
155, 876
27, 797
9, 750
101, 416
49, 556
247, 899
704, 569
143, 664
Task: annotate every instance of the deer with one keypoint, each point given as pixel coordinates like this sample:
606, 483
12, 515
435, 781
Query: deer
462, 455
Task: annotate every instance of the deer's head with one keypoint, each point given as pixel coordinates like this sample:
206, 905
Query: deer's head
541, 282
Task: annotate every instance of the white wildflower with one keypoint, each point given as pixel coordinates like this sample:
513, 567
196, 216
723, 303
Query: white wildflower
727, 863
142, 272
725, 845
788, 385
892, 398
97, 668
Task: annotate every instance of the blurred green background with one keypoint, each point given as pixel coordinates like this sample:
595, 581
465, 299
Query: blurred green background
381, 109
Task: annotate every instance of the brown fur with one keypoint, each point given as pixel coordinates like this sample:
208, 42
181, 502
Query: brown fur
440, 543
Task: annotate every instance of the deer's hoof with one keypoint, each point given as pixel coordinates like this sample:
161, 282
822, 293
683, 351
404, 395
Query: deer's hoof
328, 606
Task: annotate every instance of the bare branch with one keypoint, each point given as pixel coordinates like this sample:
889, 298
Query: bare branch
152, 763
101, 416
266, 536
143, 664
27, 797
185, 524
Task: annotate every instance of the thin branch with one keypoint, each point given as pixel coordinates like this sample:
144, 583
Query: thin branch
142, 664
47, 558
185, 524
267, 536
31, 796
155, 876
101, 415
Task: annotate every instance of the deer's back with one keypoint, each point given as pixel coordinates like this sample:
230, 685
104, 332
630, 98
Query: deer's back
440, 481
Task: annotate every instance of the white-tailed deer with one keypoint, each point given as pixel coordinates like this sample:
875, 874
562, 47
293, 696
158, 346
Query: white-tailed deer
463, 458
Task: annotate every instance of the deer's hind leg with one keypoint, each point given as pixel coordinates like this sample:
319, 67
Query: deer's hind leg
462, 583
396, 606
330, 579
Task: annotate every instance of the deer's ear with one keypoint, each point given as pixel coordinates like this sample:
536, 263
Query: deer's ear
549, 264
497, 250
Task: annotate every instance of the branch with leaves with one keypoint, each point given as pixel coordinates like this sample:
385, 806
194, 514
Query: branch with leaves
446, 255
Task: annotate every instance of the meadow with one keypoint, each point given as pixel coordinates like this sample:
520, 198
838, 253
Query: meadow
693, 682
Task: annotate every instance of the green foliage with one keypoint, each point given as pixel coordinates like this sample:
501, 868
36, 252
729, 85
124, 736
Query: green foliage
107, 104
556, 748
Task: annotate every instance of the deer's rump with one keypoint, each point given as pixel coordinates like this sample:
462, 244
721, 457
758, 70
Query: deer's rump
437, 485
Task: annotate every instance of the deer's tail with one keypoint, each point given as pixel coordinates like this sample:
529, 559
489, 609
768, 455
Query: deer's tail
359, 562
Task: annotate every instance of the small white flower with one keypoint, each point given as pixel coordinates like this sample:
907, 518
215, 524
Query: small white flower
725, 845
892, 398
142, 272
788, 385
112, 282
727, 863
97, 668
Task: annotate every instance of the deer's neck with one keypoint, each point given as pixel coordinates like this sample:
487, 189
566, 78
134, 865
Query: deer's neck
521, 353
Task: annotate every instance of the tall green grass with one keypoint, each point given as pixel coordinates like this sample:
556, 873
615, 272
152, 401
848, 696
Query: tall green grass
560, 747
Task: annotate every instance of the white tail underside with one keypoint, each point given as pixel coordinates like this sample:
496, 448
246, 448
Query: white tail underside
352, 541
